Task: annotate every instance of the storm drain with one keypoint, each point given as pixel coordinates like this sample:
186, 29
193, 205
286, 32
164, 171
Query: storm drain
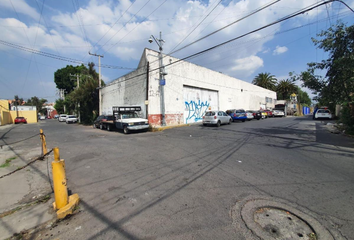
275, 219
281, 224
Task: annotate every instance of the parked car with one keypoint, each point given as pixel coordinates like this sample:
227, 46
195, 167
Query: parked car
323, 113
278, 113
269, 113
256, 114
42, 117
49, 117
98, 122
237, 114
216, 118
62, 117
56, 116
249, 115
264, 114
20, 120
71, 119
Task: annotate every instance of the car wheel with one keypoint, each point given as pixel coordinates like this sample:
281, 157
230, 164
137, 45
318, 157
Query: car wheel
243, 120
204, 124
125, 130
108, 127
218, 124
229, 122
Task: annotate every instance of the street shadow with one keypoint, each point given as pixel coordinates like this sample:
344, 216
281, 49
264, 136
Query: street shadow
190, 177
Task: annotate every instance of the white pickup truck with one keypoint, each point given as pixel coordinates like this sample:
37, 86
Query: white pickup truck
126, 118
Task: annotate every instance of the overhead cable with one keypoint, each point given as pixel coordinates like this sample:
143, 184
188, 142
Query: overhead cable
212, 33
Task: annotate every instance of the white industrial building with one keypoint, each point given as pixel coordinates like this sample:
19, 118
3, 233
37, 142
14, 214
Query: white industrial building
189, 91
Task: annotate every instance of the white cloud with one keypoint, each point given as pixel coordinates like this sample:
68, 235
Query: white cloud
248, 65
279, 50
21, 7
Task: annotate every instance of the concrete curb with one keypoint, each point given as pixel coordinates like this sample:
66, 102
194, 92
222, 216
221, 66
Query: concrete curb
159, 129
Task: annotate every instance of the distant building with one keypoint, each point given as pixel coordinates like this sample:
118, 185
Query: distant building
189, 90
8, 113
24, 108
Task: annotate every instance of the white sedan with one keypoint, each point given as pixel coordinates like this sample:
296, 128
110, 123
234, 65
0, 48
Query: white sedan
62, 117
71, 119
323, 113
278, 113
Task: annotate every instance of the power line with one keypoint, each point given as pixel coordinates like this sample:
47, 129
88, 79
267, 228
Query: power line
113, 25
122, 27
212, 33
136, 25
304, 10
45, 54
197, 25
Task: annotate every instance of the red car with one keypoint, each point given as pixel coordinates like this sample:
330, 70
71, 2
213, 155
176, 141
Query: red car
20, 120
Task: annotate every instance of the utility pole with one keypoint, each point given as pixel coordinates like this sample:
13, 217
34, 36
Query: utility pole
162, 73
62, 95
99, 81
77, 87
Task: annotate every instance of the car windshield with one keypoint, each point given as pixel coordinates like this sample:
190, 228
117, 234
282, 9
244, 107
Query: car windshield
129, 115
72, 116
323, 111
240, 111
209, 113
20, 118
109, 117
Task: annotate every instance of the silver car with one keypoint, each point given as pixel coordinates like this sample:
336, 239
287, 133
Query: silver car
216, 118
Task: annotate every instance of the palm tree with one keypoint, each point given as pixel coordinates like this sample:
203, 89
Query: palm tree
285, 88
265, 80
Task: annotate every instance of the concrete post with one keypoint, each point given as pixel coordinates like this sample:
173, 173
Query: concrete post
59, 181
44, 144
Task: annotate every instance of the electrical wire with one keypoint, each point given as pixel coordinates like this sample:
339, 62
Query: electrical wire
212, 33
45, 54
112, 26
136, 25
122, 27
304, 10
197, 26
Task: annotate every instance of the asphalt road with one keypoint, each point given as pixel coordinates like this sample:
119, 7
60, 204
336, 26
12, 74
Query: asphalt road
185, 183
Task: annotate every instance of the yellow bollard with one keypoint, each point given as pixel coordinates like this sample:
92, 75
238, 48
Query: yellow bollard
44, 144
59, 181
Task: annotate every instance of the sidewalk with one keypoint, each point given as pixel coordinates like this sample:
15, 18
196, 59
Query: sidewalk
26, 194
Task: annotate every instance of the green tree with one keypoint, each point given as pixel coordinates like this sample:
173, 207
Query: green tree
59, 106
63, 77
38, 103
86, 95
265, 80
285, 88
338, 83
302, 97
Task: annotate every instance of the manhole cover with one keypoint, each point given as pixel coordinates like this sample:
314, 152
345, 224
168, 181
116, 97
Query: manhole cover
276, 219
281, 224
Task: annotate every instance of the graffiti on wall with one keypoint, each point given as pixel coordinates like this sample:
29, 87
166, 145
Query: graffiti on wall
195, 110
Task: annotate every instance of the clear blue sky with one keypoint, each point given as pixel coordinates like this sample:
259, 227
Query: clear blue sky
120, 31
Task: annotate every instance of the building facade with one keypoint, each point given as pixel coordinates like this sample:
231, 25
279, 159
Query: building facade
8, 113
189, 91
